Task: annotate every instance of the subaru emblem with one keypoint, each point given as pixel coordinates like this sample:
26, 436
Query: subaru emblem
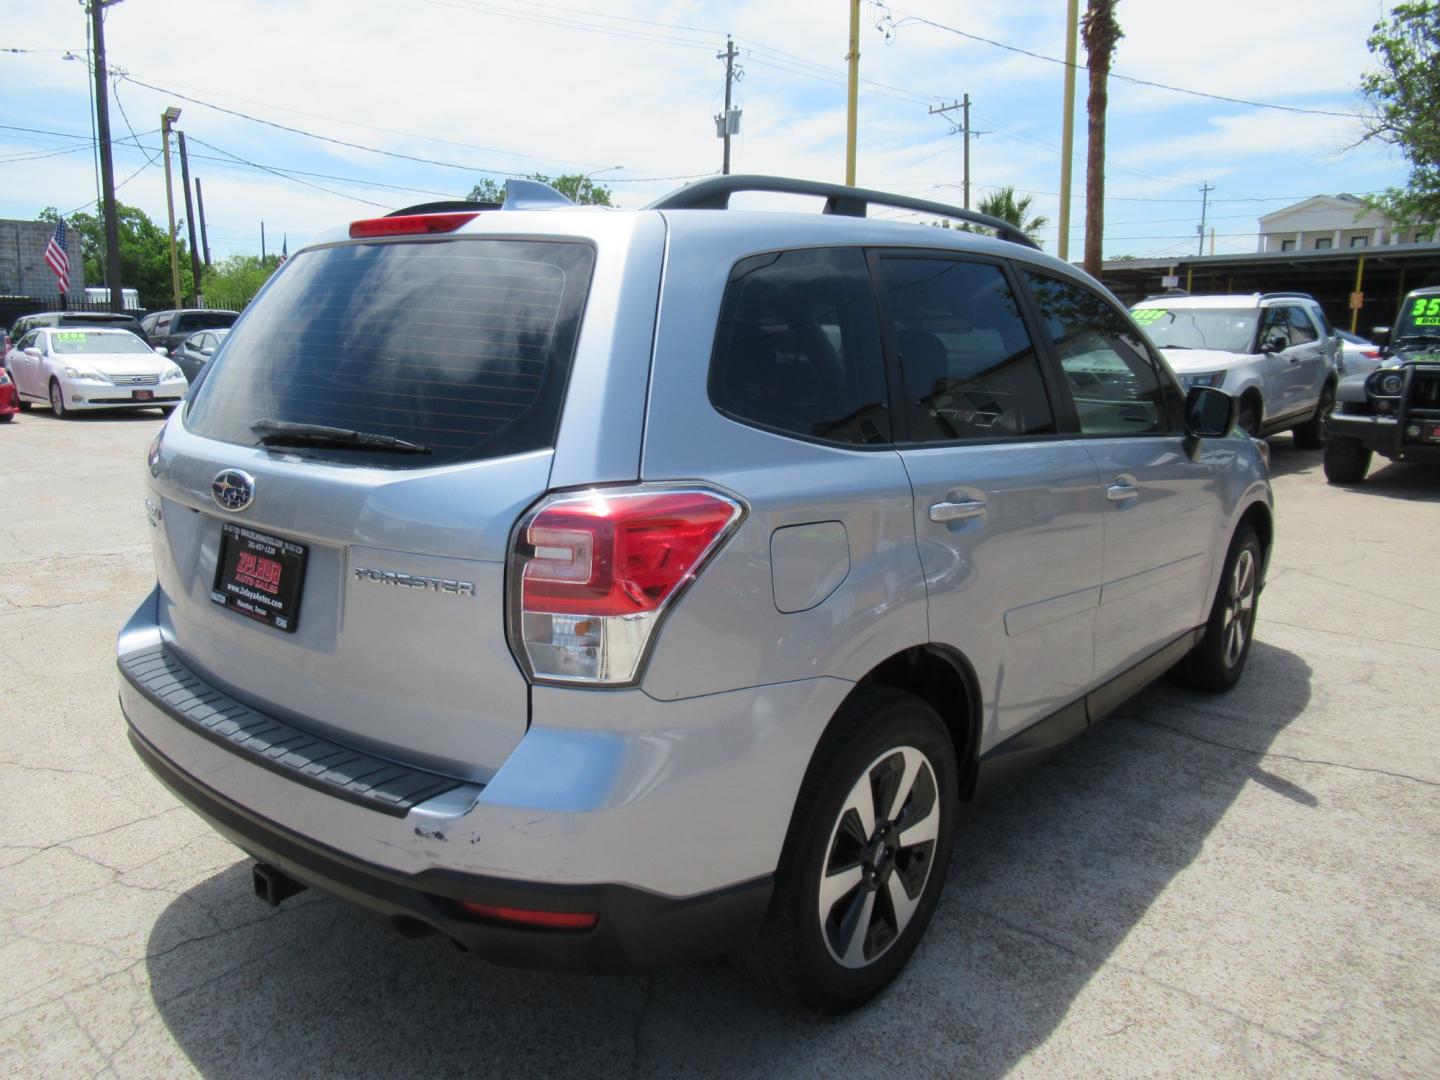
232, 489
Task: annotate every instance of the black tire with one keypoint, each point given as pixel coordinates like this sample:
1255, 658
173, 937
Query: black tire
1346, 461
5, 419
57, 401
26, 406
1312, 434
875, 737
1216, 664
1249, 418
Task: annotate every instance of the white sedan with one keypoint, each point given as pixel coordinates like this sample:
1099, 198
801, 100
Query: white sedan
81, 369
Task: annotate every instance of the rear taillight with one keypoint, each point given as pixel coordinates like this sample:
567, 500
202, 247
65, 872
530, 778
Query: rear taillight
1371, 354
592, 574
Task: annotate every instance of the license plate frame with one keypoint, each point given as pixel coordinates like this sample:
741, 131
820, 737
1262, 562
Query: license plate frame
142, 395
260, 576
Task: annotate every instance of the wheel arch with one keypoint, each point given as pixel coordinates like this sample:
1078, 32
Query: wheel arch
1260, 518
945, 680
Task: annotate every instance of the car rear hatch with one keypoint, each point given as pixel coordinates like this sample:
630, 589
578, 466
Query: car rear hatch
336, 508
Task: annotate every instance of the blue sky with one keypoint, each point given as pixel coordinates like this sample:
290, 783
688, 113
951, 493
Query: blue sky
628, 89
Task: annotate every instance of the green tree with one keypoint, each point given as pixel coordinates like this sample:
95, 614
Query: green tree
1404, 95
576, 187
144, 252
1001, 203
233, 282
1101, 33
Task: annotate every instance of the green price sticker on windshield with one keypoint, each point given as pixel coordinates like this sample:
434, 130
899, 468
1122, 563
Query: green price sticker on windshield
1146, 316
1426, 311
70, 335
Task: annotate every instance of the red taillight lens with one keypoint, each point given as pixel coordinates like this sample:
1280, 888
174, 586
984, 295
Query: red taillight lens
409, 225
595, 571
621, 555
1371, 354
546, 920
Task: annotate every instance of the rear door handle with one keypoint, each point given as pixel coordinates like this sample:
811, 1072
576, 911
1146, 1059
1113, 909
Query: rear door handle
964, 510
1121, 492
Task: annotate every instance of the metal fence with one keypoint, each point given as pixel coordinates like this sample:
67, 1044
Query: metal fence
13, 307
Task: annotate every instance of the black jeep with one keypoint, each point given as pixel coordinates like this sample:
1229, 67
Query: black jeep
1395, 410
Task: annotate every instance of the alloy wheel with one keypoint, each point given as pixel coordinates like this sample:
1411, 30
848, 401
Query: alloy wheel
1239, 606
879, 856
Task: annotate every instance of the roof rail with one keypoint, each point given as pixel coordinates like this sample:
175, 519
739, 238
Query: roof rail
714, 194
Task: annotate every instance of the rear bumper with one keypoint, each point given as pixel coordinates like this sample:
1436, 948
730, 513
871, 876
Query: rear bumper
636, 931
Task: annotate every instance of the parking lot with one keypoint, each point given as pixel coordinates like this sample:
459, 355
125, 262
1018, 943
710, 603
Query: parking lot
1247, 884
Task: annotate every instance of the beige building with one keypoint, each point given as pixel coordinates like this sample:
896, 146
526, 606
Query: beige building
1332, 222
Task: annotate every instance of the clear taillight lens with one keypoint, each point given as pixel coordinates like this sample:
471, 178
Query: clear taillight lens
592, 574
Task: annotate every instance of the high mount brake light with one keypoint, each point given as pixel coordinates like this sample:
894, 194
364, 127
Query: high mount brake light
409, 225
595, 571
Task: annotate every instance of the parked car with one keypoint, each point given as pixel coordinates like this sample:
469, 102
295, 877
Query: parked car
9, 400
111, 320
1393, 411
169, 329
195, 351
1276, 352
84, 370
1359, 356
652, 585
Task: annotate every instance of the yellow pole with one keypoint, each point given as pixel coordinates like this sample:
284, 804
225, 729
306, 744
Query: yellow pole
854, 91
170, 206
1067, 138
1359, 278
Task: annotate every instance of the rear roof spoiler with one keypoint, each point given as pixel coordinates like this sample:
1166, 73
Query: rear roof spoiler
714, 194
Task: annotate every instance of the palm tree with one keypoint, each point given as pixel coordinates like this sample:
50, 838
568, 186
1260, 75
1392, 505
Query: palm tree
1001, 203
1101, 32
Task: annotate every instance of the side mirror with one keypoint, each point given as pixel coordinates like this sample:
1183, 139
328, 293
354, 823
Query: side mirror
33, 352
1210, 413
1273, 344
207, 351
162, 350
1380, 335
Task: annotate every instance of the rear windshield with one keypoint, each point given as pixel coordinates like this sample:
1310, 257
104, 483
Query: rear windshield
460, 346
202, 320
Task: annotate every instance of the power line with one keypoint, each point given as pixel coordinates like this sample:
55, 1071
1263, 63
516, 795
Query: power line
1116, 75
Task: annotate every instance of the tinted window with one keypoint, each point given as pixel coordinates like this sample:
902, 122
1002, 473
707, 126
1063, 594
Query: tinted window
1276, 324
798, 348
969, 366
1116, 387
462, 346
1302, 330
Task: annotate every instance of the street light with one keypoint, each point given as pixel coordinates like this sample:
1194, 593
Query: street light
168, 117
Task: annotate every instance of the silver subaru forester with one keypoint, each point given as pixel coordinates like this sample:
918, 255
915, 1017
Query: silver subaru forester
609, 589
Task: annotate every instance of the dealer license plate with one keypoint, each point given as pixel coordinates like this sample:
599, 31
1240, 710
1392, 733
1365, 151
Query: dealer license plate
142, 395
259, 576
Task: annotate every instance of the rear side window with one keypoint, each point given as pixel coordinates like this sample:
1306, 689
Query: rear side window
798, 347
969, 366
461, 346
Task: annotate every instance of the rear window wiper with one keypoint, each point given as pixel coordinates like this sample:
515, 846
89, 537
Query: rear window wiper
287, 433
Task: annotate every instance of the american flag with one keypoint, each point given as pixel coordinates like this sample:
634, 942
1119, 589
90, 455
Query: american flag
57, 258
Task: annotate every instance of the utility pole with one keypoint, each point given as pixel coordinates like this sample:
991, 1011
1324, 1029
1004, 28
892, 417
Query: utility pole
168, 117
190, 223
964, 105
1204, 205
262, 241
1067, 138
853, 93
204, 240
725, 123
107, 166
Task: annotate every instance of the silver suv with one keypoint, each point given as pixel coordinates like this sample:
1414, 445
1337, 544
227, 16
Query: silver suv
608, 589
1276, 352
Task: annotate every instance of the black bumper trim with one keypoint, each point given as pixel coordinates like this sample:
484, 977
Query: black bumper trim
171, 686
637, 930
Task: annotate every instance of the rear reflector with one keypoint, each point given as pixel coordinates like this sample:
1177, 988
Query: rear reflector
546, 920
409, 225
595, 571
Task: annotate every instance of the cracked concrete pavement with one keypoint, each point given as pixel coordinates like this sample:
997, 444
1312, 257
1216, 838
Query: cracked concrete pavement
1236, 885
